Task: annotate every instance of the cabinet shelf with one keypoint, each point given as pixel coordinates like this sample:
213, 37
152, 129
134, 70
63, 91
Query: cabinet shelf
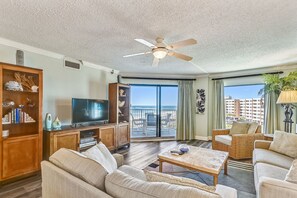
23, 123
18, 92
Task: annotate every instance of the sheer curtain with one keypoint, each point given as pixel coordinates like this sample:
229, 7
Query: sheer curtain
270, 112
185, 111
219, 105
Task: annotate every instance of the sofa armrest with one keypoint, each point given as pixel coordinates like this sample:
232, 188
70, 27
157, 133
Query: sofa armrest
59, 183
262, 144
270, 188
119, 159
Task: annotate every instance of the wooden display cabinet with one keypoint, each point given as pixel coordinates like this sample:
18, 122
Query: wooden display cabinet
21, 113
119, 111
108, 136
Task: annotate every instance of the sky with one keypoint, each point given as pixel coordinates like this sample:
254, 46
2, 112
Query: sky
146, 95
242, 92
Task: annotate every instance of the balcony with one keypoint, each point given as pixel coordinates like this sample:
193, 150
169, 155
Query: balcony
144, 122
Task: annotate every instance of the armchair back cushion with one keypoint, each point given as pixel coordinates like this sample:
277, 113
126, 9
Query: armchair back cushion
239, 128
253, 128
284, 143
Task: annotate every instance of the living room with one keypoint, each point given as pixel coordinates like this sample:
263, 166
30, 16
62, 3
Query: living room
195, 90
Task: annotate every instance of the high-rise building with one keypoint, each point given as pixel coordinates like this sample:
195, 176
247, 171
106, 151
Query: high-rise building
251, 110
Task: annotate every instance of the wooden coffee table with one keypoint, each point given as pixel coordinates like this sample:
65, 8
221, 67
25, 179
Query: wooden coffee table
198, 159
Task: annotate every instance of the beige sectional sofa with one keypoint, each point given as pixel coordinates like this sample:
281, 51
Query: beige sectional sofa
69, 174
270, 170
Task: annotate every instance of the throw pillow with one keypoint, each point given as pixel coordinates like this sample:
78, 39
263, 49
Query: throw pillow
239, 128
153, 176
80, 166
253, 128
284, 143
292, 174
102, 155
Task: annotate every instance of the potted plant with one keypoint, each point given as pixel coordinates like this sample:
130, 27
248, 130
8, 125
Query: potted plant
282, 87
275, 83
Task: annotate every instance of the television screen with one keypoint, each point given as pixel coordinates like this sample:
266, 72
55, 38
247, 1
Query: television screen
89, 110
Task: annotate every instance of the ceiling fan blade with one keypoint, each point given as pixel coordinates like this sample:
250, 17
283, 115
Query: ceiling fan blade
144, 42
155, 62
180, 56
130, 55
180, 44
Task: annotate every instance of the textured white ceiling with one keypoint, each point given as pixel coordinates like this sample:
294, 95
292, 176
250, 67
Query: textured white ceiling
232, 34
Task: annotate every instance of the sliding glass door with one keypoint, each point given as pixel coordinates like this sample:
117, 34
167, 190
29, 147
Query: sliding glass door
153, 111
168, 107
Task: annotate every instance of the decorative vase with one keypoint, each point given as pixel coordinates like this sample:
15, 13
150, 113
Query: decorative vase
48, 121
56, 124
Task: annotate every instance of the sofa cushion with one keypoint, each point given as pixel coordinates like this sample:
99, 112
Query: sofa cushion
271, 157
253, 128
122, 185
268, 170
292, 174
284, 143
239, 128
153, 176
80, 166
225, 139
102, 155
134, 172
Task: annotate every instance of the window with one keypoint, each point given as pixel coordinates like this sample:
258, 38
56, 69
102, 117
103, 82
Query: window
153, 110
243, 103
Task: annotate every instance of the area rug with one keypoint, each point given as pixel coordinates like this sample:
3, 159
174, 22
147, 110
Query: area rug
240, 176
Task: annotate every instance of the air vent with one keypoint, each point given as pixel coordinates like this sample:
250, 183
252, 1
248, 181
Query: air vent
72, 63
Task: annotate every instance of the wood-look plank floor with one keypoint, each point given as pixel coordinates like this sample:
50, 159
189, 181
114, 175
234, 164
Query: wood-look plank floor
139, 155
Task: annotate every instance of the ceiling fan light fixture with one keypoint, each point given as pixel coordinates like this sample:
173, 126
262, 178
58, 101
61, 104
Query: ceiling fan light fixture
160, 53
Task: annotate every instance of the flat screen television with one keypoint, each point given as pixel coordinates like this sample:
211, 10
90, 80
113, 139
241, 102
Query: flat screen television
89, 110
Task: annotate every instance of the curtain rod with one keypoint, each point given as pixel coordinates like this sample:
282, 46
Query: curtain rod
145, 78
243, 76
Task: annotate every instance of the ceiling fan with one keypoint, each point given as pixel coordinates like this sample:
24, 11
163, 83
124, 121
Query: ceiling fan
160, 50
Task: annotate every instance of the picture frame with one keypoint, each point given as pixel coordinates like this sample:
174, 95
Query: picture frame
200, 101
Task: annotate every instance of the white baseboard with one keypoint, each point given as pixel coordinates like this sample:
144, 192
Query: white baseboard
204, 138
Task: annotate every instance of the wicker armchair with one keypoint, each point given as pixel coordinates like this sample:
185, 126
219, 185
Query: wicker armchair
242, 145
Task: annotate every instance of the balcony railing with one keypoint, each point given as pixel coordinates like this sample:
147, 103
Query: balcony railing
144, 122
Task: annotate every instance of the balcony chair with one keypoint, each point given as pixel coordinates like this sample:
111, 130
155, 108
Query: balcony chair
166, 120
140, 122
238, 141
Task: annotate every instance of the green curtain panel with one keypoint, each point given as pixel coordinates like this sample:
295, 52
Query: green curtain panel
185, 111
219, 105
271, 113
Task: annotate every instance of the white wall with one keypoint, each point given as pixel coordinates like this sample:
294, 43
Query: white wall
201, 126
61, 84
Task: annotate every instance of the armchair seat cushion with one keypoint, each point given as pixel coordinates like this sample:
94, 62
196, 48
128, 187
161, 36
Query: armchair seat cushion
273, 158
225, 139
